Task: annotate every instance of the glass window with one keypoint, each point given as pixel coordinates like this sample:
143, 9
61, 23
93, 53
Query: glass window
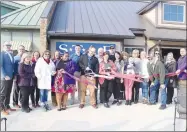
173, 13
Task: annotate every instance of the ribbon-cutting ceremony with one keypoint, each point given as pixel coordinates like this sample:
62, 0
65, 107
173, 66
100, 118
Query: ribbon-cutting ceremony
93, 65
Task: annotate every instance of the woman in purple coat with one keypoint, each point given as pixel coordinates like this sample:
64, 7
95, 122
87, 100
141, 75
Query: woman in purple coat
26, 82
64, 84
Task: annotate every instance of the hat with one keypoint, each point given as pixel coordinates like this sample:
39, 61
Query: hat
7, 43
112, 47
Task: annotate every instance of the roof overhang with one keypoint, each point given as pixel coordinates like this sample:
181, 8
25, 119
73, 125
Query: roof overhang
19, 27
148, 7
59, 34
167, 39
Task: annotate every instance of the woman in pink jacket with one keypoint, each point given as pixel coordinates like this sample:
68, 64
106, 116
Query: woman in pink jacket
106, 67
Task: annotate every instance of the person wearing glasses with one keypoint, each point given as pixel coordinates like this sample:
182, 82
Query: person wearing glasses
157, 73
64, 84
16, 89
88, 61
44, 69
7, 70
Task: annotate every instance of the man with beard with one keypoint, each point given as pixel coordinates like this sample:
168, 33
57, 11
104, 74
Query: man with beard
88, 62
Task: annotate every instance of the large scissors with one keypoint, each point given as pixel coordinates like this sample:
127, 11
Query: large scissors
89, 72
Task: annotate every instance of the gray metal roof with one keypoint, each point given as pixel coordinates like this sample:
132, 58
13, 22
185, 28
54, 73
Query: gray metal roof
96, 18
27, 17
12, 4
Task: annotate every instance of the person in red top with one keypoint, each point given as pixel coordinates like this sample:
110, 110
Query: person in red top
106, 67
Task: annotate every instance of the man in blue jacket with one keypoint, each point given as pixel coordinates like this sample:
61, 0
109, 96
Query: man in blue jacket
7, 69
16, 89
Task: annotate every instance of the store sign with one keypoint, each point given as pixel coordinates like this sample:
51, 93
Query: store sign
70, 46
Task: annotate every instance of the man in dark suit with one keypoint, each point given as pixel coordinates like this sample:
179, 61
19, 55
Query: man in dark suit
7, 69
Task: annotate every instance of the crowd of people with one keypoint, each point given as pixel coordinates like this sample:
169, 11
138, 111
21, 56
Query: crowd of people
33, 76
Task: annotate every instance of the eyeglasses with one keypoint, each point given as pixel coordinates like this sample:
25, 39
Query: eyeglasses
156, 53
47, 54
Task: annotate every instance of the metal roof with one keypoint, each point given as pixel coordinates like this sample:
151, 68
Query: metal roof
11, 4
27, 17
91, 18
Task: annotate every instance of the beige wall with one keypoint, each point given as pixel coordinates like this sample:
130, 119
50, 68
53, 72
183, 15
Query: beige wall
53, 43
156, 18
22, 35
140, 41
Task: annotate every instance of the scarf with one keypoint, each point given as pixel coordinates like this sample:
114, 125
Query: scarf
47, 60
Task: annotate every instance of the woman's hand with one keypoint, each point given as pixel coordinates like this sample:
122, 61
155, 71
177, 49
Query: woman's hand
121, 80
53, 73
62, 70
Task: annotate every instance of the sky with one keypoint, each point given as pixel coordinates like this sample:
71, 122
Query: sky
26, 2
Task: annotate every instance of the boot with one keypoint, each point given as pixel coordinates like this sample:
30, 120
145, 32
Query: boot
106, 105
127, 102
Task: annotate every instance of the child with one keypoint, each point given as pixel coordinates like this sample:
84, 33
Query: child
129, 83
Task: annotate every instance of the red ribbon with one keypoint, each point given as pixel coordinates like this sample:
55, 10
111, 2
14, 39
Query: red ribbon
128, 76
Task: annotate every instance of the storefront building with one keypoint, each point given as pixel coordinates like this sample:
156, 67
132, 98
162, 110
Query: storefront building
126, 25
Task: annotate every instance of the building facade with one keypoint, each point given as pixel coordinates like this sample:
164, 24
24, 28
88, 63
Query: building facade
126, 25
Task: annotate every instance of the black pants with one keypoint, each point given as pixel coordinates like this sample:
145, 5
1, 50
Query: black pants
170, 92
25, 92
16, 94
117, 88
135, 91
6, 88
35, 97
107, 86
96, 90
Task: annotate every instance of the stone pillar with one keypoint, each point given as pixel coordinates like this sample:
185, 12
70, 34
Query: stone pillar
44, 23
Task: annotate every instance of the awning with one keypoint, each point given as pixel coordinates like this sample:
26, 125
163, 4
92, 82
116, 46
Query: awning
16, 44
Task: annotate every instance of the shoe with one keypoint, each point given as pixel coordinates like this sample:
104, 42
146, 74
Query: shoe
37, 105
4, 112
135, 102
94, 106
119, 103
151, 103
145, 101
33, 105
59, 109
64, 108
162, 107
29, 108
106, 105
101, 102
127, 102
114, 102
130, 102
10, 109
45, 107
25, 110
81, 106
48, 108
17, 106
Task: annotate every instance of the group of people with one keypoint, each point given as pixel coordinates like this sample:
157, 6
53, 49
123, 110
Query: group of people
121, 75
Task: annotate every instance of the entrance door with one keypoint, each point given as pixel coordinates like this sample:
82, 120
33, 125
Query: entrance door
176, 52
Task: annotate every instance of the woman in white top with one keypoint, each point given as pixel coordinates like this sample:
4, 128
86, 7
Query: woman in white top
145, 76
44, 69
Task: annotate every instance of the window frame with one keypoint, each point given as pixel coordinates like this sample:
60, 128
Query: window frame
174, 22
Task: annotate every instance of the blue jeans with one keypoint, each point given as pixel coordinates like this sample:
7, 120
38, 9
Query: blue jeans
43, 95
144, 86
153, 90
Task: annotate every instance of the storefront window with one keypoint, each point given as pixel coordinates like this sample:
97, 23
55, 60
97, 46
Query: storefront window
130, 49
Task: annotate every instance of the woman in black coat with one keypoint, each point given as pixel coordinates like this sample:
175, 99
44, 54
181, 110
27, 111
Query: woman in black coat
26, 83
170, 66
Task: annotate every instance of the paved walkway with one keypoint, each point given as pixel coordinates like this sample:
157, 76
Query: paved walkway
138, 117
